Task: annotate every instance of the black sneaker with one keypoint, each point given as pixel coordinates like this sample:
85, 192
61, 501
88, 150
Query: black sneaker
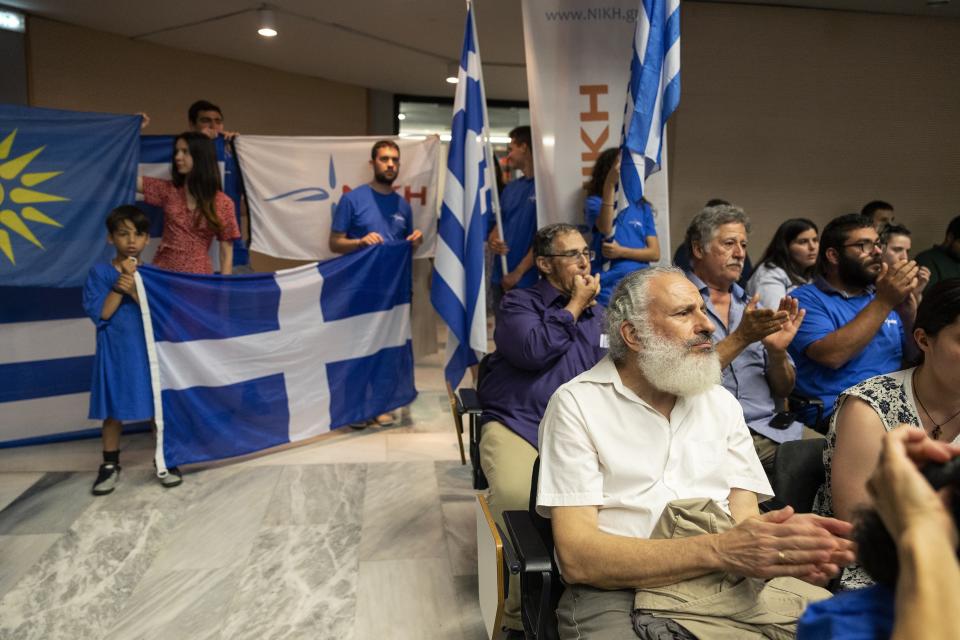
172, 479
107, 478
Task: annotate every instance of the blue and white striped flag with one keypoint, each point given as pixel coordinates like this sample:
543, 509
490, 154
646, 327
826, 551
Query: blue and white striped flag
244, 363
457, 291
652, 95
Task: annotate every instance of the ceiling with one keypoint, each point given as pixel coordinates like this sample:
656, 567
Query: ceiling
401, 46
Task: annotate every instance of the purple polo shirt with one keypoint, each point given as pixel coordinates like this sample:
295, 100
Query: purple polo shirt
539, 348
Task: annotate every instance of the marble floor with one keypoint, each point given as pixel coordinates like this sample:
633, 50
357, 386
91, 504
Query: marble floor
353, 535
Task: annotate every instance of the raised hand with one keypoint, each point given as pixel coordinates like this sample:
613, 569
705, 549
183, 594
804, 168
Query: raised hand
780, 340
126, 283
128, 265
757, 324
497, 245
895, 283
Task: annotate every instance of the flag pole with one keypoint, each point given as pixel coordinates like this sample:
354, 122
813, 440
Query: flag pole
487, 146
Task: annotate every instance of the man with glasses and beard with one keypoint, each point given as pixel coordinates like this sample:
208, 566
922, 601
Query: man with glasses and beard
859, 313
374, 213
637, 455
545, 335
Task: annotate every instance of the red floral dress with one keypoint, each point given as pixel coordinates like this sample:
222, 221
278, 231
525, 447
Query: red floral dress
185, 245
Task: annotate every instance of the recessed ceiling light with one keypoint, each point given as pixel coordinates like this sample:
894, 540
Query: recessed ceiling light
453, 72
12, 21
268, 24
401, 116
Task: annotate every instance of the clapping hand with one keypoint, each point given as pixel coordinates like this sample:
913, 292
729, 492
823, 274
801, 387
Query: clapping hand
780, 340
757, 324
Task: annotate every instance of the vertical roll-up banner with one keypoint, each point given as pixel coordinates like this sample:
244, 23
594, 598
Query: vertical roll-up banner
578, 66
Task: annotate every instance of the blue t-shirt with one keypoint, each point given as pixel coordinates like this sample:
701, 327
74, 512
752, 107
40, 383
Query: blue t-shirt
518, 211
864, 614
120, 385
363, 210
631, 228
828, 310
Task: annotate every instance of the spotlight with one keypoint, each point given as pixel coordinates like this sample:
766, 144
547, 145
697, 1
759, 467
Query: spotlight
268, 25
453, 72
401, 116
12, 21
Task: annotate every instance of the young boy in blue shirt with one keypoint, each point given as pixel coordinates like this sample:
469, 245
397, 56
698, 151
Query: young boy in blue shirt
120, 389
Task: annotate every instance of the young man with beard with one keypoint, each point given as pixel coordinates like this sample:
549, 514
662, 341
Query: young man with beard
545, 335
860, 313
374, 213
642, 433
752, 342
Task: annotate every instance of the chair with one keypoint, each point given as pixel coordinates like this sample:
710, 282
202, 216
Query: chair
530, 554
466, 402
491, 568
800, 403
798, 472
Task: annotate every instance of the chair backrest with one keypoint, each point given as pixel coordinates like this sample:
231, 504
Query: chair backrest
490, 568
798, 472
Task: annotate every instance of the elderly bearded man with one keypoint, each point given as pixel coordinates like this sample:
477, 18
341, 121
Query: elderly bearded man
649, 432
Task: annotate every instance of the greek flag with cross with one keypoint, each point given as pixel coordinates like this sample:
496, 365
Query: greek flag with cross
245, 363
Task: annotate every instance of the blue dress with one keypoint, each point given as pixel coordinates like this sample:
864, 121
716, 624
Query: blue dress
120, 386
631, 228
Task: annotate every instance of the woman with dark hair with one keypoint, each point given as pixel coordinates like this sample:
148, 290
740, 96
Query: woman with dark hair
621, 241
195, 210
787, 263
926, 397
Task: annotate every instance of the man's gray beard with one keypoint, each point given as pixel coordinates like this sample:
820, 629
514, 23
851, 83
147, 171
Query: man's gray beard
672, 368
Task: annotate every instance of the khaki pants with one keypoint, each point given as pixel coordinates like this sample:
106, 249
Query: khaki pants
767, 448
587, 612
507, 461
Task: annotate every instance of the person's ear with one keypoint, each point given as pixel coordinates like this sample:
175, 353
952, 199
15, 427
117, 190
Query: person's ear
922, 339
109, 238
544, 265
696, 250
630, 336
832, 256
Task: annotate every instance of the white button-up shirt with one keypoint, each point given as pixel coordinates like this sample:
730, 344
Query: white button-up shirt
600, 444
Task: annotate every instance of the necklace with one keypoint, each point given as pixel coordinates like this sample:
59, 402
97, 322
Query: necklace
937, 430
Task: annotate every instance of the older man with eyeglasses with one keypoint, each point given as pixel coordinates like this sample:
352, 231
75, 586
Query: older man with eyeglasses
859, 313
546, 335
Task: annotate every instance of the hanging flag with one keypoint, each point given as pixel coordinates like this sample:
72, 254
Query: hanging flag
244, 363
61, 172
457, 291
293, 185
652, 95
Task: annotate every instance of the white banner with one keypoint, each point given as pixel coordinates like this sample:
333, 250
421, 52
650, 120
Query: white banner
578, 66
293, 182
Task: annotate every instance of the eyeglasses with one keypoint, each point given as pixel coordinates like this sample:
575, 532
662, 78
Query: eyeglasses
866, 246
573, 255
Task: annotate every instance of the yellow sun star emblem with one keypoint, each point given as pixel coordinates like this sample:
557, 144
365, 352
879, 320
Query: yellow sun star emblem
18, 192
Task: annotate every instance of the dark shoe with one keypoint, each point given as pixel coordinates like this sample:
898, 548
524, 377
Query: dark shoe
358, 425
107, 478
513, 634
172, 479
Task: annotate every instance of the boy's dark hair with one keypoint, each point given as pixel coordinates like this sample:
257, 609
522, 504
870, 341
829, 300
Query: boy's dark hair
522, 135
835, 235
873, 206
893, 230
876, 549
201, 105
128, 212
380, 144
716, 202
